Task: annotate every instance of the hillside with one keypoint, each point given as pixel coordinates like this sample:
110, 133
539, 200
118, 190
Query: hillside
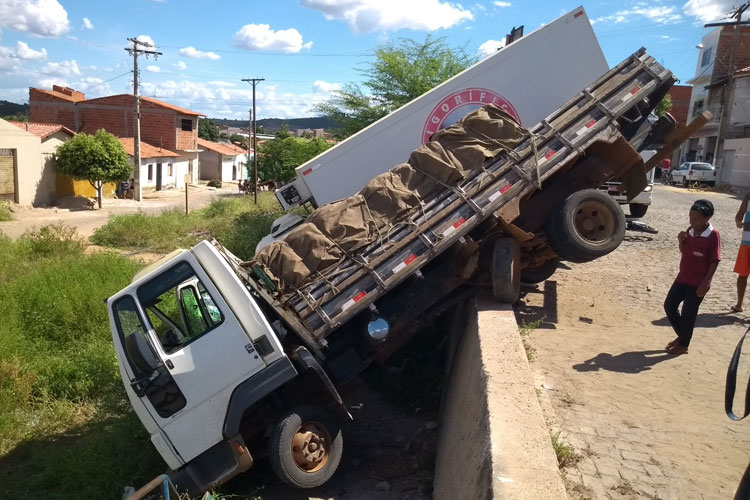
272, 125
11, 108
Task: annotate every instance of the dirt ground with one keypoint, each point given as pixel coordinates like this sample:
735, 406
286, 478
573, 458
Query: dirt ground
644, 423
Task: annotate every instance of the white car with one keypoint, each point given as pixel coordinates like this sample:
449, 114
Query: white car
691, 172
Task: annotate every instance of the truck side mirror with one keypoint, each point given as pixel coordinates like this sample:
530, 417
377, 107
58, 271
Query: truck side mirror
140, 353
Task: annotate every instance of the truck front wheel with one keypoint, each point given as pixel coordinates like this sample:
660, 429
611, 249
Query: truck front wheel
306, 447
588, 225
506, 270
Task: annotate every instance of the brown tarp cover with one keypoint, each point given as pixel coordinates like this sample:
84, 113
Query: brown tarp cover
342, 227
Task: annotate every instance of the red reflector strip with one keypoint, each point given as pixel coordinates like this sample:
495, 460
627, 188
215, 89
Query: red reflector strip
307, 171
405, 263
635, 90
585, 127
631, 94
349, 303
504, 188
497, 193
453, 228
578, 14
549, 155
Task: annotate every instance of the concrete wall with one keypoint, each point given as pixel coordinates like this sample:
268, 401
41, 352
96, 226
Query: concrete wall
493, 440
29, 166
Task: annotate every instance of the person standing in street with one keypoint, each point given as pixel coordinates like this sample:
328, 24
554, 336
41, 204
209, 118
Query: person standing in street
742, 264
700, 247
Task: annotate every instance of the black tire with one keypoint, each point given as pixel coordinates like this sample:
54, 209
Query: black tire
312, 458
685, 182
506, 270
588, 225
638, 210
533, 275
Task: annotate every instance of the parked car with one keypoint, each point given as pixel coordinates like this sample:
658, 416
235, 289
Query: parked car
693, 171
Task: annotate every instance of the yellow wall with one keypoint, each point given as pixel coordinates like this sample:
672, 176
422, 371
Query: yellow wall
66, 186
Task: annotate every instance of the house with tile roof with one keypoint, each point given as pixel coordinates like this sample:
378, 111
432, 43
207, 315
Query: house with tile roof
222, 161
30, 178
160, 168
163, 125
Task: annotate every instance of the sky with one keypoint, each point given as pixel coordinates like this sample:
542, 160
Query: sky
304, 49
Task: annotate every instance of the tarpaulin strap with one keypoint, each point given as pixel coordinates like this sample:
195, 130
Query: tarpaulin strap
372, 221
457, 191
732, 383
532, 138
330, 283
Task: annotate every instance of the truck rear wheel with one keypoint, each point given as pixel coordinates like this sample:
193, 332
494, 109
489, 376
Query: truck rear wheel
306, 447
506, 270
588, 225
638, 209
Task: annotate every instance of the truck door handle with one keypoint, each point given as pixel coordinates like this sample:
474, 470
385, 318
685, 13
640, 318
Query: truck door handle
169, 364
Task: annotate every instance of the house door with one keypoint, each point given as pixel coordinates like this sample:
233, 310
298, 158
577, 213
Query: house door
158, 177
8, 175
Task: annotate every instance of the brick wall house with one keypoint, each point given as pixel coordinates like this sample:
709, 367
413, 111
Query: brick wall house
163, 125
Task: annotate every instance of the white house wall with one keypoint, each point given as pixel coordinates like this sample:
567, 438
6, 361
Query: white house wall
741, 107
29, 165
741, 161
175, 180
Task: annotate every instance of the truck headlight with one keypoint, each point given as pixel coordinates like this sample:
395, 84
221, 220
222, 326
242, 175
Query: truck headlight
378, 329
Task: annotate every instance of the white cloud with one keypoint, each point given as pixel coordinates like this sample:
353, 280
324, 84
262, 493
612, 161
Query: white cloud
145, 39
24, 52
502, 4
87, 24
262, 37
198, 54
711, 10
153, 69
490, 47
180, 65
367, 16
38, 17
217, 101
63, 69
321, 87
661, 14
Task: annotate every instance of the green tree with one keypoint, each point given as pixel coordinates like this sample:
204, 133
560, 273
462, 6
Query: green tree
17, 117
208, 130
97, 158
401, 72
664, 106
278, 157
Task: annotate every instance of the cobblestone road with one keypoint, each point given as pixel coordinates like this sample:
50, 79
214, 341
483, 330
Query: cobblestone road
645, 424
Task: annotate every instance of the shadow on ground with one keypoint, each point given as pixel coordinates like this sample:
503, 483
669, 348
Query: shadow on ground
627, 362
544, 316
708, 320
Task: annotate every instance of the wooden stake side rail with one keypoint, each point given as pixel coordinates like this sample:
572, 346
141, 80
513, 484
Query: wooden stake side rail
326, 304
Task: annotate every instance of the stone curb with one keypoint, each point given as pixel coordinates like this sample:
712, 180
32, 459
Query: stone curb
493, 440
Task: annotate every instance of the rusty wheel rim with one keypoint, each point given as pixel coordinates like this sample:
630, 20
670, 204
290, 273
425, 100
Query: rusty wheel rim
594, 222
311, 446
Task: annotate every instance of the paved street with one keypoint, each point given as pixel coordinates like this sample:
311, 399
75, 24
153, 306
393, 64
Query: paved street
646, 424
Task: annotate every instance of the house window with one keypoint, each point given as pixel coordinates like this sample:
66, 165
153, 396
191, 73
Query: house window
169, 170
150, 171
187, 125
706, 56
697, 107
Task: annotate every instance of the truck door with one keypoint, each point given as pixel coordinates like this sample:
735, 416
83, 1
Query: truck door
204, 349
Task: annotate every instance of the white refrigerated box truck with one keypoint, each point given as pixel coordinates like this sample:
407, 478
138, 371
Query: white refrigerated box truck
530, 78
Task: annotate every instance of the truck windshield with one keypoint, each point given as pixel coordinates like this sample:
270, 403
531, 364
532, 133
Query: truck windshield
179, 307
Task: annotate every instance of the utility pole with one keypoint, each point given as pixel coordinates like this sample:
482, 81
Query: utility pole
136, 51
728, 93
249, 134
254, 82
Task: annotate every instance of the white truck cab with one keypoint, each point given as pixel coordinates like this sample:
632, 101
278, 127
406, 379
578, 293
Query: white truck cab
168, 327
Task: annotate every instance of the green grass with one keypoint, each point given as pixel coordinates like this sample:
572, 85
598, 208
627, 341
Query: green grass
237, 222
566, 454
5, 213
66, 429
